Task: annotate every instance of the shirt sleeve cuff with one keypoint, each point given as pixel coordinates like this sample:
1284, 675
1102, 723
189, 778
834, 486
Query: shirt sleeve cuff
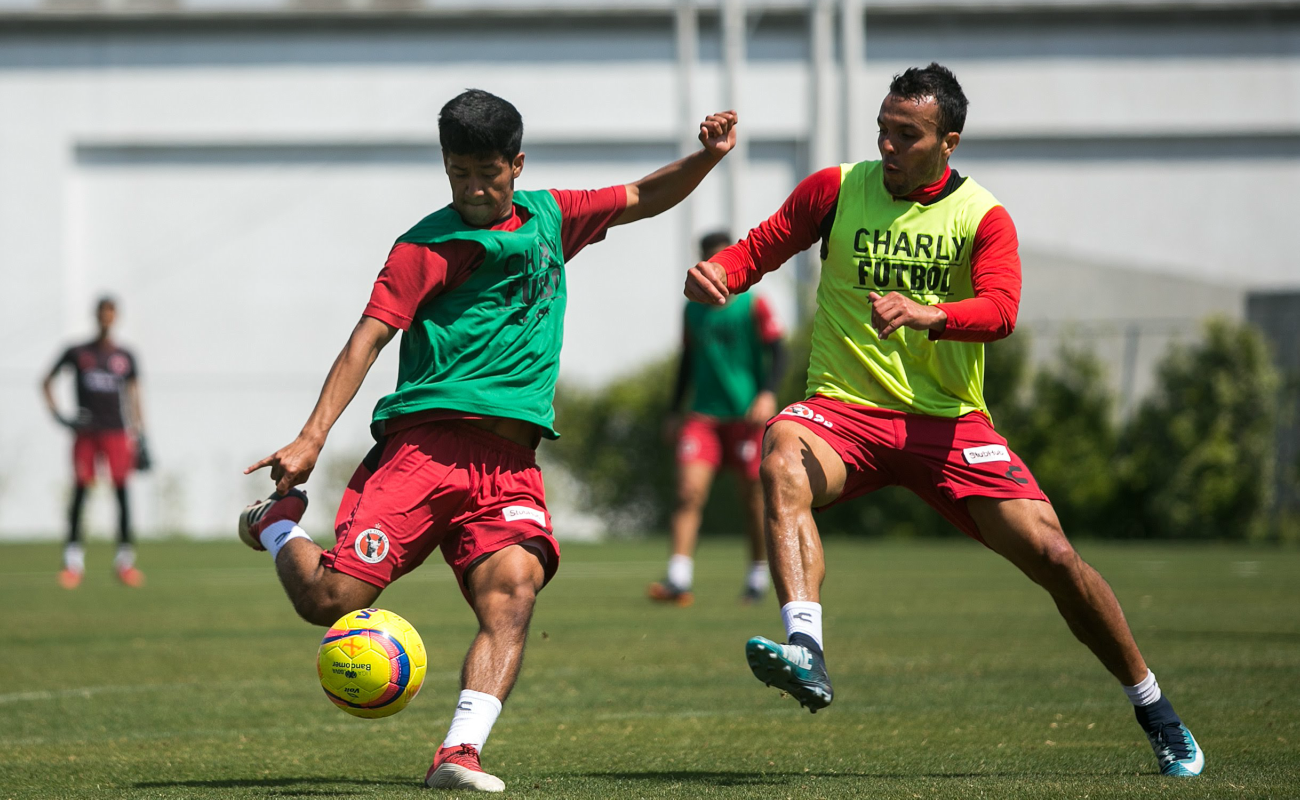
399, 321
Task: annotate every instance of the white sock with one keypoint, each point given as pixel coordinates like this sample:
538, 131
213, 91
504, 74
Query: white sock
681, 571
757, 579
1145, 693
125, 558
74, 558
278, 534
476, 713
803, 617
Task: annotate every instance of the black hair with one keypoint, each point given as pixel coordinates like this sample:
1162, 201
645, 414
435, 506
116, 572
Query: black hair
479, 123
105, 300
935, 81
716, 240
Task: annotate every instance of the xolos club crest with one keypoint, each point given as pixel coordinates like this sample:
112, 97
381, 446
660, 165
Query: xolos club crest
372, 546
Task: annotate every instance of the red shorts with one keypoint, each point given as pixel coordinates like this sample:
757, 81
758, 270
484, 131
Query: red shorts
941, 460
116, 447
738, 445
441, 484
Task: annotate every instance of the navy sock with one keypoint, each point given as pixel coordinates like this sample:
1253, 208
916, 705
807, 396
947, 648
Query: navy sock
1157, 715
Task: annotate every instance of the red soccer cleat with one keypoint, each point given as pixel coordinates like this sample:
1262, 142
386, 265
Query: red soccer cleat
70, 578
458, 768
130, 576
665, 592
257, 516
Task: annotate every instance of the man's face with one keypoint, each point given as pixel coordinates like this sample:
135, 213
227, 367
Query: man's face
912, 151
482, 186
106, 315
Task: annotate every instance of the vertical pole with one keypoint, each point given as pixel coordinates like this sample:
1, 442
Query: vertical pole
75, 289
853, 51
687, 29
1129, 375
822, 136
733, 53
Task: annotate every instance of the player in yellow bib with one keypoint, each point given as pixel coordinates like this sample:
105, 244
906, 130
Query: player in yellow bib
919, 269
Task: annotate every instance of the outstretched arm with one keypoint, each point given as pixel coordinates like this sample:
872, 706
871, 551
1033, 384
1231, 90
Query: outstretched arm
803, 218
292, 464
666, 187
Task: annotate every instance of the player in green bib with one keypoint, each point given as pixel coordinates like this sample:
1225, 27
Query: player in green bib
478, 290
731, 361
919, 269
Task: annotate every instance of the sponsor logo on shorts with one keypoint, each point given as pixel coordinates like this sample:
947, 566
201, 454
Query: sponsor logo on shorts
512, 513
804, 412
986, 453
372, 546
747, 451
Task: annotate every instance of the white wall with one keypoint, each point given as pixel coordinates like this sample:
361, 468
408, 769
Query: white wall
239, 192
237, 185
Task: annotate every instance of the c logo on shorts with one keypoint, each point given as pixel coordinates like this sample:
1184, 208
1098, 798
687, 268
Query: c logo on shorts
372, 546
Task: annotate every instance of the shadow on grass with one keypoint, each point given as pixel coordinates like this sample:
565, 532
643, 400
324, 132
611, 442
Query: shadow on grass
292, 785
729, 779
1291, 637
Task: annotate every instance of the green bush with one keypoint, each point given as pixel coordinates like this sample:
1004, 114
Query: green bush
1195, 461
1063, 430
1200, 450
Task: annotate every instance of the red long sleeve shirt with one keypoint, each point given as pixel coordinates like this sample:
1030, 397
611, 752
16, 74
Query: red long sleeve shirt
806, 217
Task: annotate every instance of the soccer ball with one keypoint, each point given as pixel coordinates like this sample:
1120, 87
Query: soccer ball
371, 663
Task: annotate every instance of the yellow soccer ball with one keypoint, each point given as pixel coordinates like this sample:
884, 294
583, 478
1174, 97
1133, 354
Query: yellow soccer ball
371, 663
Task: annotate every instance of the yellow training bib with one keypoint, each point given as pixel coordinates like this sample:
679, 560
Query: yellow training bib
880, 244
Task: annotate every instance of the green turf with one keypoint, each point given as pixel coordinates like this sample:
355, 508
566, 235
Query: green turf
954, 678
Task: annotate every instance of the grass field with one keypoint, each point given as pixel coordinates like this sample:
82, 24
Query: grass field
954, 678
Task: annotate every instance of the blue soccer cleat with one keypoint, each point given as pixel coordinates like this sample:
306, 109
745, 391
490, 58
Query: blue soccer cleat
1176, 749
797, 669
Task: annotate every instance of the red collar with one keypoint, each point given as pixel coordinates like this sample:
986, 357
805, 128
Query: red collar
926, 194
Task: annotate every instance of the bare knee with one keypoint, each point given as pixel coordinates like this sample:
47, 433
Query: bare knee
325, 601
1054, 563
504, 589
784, 478
507, 602
691, 497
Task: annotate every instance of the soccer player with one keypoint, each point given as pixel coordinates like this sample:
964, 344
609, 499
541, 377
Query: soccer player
732, 359
478, 290
108, 386
919, 268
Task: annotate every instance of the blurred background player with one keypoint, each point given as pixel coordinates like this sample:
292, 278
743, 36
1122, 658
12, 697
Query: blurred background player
108, 387
920, 267
478, 289
732, 361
